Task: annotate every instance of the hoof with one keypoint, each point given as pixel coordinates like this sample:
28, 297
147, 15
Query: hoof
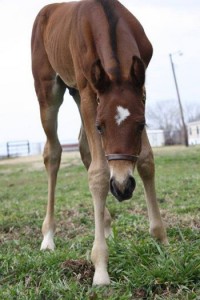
48, 243
159, 233
165, 241
101, 278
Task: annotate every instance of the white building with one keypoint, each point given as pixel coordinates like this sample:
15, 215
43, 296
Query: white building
194, 133
156, 137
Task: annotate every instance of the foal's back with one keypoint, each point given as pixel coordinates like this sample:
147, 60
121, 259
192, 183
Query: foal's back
75, 34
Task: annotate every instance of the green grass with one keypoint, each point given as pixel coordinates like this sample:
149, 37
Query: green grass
139, 267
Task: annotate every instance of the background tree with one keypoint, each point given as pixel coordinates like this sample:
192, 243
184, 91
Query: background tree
166, 115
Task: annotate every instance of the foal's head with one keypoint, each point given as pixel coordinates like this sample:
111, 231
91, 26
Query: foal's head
120, 122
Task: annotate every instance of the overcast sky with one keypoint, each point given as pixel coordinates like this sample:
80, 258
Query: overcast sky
171, 25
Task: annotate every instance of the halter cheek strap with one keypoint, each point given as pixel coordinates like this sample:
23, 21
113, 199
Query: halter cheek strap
122, 157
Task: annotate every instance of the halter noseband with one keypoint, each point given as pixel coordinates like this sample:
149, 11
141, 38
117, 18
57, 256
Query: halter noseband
122, 157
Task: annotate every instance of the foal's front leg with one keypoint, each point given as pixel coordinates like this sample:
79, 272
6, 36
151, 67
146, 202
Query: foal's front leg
98, 176
146, 171
98, 181
86, 158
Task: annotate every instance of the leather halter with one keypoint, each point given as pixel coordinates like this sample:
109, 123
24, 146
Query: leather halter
122, 157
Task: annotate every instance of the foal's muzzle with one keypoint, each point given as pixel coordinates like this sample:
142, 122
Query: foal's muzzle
124, 193
124, 190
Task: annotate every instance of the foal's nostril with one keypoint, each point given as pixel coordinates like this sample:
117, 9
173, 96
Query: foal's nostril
131, 184
130, 187
123, 192
113, 186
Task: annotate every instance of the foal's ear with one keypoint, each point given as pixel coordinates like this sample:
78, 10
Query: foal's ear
138, 72
99, 77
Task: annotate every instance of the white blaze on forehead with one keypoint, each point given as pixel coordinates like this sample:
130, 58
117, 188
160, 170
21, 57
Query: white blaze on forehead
122, 114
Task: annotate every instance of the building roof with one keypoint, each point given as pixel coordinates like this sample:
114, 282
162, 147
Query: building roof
194, 123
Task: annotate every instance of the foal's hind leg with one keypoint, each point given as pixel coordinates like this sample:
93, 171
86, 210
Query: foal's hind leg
86, 159
50, 90
146, 170
52, 156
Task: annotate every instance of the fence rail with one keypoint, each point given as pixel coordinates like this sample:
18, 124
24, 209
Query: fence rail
24, 147
18, 148
70, 147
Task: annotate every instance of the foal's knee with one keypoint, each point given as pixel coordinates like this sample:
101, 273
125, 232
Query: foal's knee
99, 181
145, 165
52, 154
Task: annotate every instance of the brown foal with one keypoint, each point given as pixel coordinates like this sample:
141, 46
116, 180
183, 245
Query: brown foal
99, 51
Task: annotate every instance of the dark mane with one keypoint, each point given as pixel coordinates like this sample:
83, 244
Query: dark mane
112, 18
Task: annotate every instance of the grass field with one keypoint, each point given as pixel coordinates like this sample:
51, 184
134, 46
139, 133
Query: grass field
139, 267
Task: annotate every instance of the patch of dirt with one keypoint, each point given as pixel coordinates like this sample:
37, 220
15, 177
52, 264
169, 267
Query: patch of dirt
82, 270
21, 159
138, 211
11, 232
140, 294
73, 222
36, 163
37, 158
185, 220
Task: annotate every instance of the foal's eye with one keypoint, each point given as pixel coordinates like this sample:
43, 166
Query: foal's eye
141, 126
99, 128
